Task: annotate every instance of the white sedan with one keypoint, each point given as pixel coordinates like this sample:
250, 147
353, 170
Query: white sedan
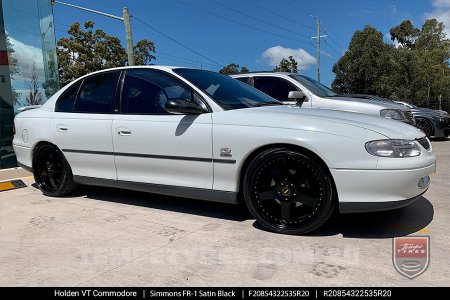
198, 134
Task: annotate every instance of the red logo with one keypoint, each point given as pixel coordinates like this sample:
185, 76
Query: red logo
411, 255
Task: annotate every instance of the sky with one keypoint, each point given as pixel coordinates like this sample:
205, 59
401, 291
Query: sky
210, 34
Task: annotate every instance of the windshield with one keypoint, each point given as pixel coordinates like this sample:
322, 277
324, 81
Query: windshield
314, 86
227, 92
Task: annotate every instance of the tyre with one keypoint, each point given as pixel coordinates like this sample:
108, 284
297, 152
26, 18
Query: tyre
288, 192
52, 172
425, 125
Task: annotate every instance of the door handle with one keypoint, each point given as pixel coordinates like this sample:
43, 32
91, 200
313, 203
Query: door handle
62, 128
124, 132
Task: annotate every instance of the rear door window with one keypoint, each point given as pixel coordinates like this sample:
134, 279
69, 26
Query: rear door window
67, 99
97, 93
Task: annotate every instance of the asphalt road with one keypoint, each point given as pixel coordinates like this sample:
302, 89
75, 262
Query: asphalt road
109, 237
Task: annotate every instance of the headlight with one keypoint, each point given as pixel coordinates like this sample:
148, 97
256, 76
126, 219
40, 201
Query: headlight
394, 114
393, 148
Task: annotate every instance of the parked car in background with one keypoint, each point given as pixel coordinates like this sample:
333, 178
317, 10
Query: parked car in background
199, 134
309, 93
434, 123
379, 99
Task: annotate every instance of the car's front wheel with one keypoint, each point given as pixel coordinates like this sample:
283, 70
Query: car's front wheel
52, 172
425, 125
288, 192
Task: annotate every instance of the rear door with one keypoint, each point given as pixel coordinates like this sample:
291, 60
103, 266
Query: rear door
81, 126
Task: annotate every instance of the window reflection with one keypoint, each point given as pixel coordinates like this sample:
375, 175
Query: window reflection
28, 63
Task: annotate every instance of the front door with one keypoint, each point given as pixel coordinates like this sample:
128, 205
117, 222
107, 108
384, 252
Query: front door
154, 146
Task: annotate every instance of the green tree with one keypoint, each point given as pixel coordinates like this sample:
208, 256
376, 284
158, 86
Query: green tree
416, 71
431, 51
34, 95
233, 69
143, 52
360, 69
244, 70
287, 65
14, 67
405, 33
51, 85
90, 50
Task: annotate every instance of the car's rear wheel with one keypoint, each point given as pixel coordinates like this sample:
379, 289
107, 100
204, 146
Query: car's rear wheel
288, 192
425, 125
52, 172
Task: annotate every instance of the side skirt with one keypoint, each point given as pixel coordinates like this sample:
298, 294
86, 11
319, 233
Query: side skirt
176, 191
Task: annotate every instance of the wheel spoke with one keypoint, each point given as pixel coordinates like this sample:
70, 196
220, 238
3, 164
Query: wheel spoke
57, 180
305, 199
286, 208
51, 157
279, 173
44, 174
269, 195
52, 182
298, 177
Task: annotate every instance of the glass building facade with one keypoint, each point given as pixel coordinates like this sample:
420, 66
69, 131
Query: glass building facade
28, 63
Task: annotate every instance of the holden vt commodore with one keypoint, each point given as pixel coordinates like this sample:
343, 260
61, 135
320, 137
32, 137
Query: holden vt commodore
199, 134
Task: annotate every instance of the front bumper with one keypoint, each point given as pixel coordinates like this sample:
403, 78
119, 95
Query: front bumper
445, 125
376, 190
441, 128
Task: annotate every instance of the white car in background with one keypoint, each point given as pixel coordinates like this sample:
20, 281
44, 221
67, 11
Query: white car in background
309, 93
198, 134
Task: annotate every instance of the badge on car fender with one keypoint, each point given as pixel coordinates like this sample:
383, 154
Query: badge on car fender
411, 255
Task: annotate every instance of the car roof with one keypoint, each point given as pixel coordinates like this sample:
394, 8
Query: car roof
155, 67
262, 73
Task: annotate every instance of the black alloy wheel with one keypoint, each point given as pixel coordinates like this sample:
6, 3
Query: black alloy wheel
288, 192
52, 172
425, 125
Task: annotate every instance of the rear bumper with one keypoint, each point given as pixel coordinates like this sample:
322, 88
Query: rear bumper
377, 190
23, 155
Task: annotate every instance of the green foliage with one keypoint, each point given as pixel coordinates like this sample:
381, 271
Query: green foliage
416, 71
51, 85
287, 65
143, 52
88, 50
14, 68
244, 70
34, 95
405, 33
233, 69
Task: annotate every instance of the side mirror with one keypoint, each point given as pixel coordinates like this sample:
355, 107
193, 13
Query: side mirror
183, 107
297, 96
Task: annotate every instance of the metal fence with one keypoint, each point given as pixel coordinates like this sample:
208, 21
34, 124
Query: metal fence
445, 104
